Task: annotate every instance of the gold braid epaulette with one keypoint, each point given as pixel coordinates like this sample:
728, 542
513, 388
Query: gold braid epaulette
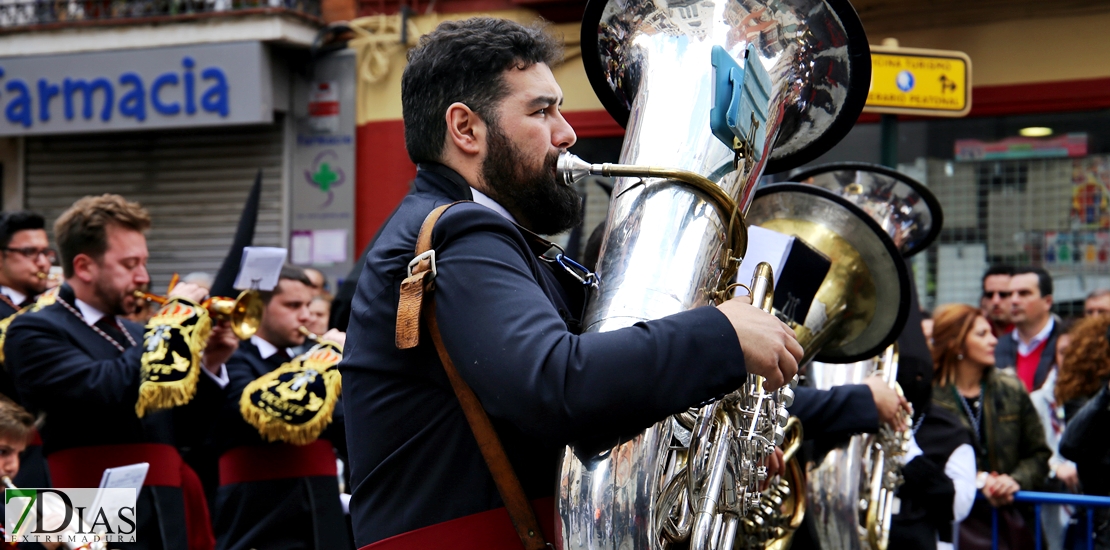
294, 402
172, 346
44, 299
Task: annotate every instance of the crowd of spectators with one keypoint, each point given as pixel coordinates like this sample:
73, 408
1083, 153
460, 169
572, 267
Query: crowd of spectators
1032, 390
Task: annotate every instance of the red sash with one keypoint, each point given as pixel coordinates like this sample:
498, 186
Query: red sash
277, 461
84, 466
489, 530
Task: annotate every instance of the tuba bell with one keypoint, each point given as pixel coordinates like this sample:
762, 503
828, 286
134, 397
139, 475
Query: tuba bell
901, 205
711, 94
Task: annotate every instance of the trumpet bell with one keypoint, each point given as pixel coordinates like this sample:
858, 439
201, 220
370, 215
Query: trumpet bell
901, 205
862, 305
244, 312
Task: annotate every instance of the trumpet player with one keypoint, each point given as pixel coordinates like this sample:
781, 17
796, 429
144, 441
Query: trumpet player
79, 363
25, 260
483, 123
284, 493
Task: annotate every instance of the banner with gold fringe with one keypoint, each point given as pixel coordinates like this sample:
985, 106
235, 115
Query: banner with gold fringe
174, 341
44, 299
294, 403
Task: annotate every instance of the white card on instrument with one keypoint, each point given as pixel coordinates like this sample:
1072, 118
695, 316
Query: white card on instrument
768, 246
260, 268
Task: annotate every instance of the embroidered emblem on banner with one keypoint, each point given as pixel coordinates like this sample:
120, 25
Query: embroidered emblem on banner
172, 345
294, 402
44, 299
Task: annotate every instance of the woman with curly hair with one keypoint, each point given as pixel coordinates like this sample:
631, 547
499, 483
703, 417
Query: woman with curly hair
1086, 365
1009, 441
1082, 386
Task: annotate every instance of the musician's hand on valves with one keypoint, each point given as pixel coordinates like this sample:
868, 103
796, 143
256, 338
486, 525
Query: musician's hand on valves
222, 342
337, 336
888, 402
776, 466
770, 348
189, 291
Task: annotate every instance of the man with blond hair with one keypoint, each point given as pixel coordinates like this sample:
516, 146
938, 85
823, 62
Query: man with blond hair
79, 361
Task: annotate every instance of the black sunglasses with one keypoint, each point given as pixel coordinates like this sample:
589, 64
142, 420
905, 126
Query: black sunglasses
988, 294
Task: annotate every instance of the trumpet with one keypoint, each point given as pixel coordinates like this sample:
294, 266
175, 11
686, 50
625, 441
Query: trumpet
244, 312
308, 334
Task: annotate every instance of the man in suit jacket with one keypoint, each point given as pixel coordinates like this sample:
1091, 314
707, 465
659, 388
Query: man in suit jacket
1030, 349
276, 495
25, 260
78, 361
482, 121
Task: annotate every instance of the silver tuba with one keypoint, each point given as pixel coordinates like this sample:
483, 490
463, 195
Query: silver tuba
852, 487
791, 78
859, 308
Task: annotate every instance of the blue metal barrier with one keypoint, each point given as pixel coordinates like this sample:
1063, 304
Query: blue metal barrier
1038, 499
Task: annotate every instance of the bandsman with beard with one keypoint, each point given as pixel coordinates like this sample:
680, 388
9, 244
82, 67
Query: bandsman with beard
84, 366
483, 124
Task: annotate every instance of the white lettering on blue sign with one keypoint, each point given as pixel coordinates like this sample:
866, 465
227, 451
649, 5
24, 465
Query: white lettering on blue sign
170, 94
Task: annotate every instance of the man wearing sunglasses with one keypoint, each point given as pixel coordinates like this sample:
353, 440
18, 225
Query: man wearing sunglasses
995, 301
25, 260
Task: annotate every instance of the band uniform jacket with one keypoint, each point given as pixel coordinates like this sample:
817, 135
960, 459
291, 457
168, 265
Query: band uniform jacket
509, 322
32, 464
836, 413
1006, 352
88, 390
288, 513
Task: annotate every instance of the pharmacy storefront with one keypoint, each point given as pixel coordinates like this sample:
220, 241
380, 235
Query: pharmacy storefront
184, 130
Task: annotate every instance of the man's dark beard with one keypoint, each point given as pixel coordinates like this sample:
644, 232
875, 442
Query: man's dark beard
536, 198
110, 298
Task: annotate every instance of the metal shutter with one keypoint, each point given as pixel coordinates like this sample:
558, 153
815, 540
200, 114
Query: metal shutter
193, 182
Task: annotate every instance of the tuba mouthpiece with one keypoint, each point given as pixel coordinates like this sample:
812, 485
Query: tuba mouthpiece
571, 168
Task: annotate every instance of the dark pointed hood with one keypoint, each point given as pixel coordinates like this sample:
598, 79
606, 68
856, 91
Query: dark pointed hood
244, 236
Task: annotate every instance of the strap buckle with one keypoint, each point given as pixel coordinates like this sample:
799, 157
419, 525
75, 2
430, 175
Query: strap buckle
429, 255
578, 271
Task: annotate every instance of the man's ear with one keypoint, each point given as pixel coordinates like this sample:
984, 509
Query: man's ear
85, 268
465, 129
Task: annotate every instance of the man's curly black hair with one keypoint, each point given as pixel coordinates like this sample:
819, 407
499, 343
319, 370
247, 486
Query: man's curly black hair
465, 61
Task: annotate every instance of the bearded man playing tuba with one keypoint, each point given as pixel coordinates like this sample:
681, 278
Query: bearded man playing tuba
483, 123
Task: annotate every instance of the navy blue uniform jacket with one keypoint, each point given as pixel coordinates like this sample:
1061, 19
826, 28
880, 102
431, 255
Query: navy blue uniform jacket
509, 323
88, 390
288, 513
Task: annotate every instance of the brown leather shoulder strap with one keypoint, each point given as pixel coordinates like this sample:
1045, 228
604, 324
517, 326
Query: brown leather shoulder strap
421, 278
410, 309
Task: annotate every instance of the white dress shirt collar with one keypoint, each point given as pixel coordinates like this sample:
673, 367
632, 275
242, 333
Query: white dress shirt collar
1025, 348
265, 349
89, 313
14, 295
484, 200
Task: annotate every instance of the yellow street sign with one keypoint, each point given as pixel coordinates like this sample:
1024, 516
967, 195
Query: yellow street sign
913, 81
